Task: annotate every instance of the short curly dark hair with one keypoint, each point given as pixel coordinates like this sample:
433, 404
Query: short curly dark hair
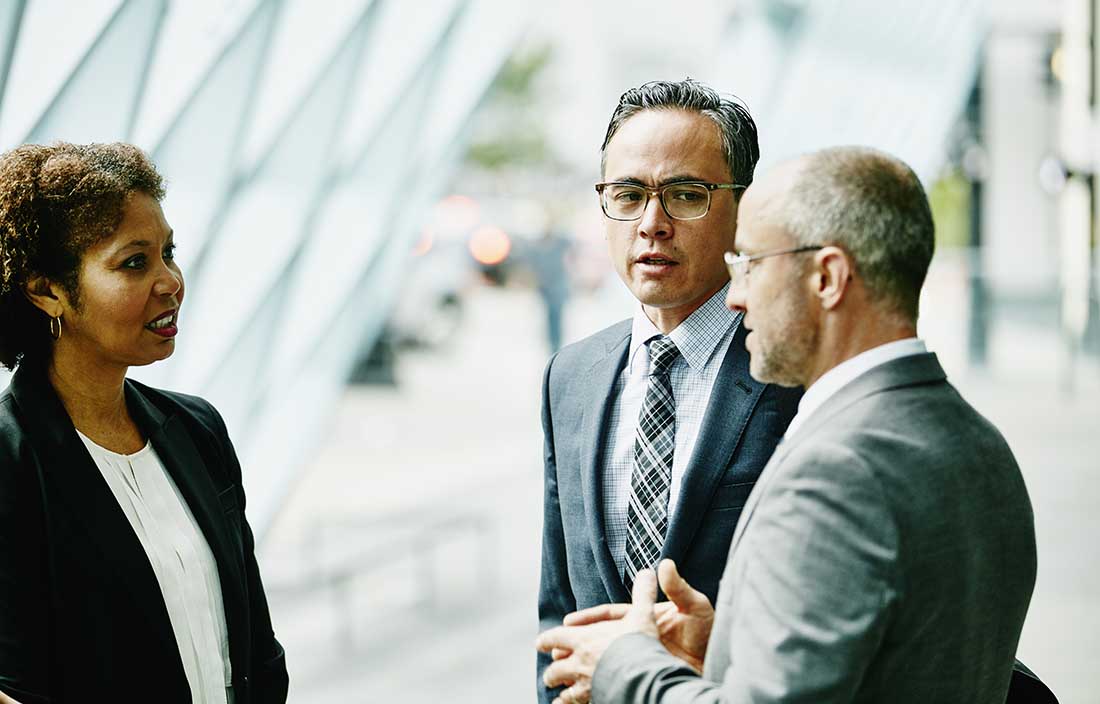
55, 202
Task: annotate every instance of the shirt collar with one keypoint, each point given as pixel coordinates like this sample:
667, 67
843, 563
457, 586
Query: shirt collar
847, 371
697, 337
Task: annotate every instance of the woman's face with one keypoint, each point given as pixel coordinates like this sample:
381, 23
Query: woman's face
130, 291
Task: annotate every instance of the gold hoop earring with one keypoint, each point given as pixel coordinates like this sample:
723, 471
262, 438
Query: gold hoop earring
57, 335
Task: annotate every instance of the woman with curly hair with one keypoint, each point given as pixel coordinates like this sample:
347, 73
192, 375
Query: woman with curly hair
127, 568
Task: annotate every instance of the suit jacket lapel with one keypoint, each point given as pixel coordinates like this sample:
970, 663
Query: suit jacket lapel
192, 477
600, 382
914, 369
732, 401
766, 475
72, 479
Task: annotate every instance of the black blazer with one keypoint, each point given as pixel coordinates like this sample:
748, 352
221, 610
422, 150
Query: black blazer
744, 421
81, 613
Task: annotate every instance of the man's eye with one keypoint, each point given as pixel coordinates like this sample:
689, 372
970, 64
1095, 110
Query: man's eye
628, 196
687, 195
169, 252
135, 262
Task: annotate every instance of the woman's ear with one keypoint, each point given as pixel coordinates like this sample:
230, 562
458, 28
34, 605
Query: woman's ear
45, 295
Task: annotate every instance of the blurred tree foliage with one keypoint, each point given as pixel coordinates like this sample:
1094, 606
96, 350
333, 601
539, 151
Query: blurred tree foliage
511, 133
950, 200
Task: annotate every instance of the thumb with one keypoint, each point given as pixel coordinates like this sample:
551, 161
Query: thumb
678, 590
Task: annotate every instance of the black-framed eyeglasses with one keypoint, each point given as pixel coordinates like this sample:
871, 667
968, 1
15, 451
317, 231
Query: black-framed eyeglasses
738, 264
689, 200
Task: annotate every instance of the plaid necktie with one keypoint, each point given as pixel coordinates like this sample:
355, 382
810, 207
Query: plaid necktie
651, 476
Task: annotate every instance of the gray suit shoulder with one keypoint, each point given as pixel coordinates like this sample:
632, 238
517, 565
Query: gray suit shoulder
581, 355
930, 417
894, 430
946, 473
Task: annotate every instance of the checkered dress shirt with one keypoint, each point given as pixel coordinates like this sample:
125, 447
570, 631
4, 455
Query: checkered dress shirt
703, 339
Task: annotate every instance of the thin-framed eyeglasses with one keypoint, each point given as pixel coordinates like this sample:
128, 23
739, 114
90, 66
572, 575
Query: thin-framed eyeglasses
738, 264
686, 200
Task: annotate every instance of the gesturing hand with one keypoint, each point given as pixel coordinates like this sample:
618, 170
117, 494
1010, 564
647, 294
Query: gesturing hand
578, 648
683, 623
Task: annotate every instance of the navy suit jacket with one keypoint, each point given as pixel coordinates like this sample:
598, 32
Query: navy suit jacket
743, 424
82, 617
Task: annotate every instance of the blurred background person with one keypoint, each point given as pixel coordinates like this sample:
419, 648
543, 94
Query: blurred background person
548, 257
129, 573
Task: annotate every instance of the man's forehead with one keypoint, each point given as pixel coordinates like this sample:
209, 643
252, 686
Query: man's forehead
666, 143
759, 234
761, 211
779, 179
769, 192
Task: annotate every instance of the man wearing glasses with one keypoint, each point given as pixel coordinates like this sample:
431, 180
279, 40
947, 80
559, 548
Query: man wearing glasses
888, 551
654, 430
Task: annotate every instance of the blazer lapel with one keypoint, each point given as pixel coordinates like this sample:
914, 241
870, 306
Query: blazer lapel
759, 489
600, 382
193, 478
73, 479
914, 369
732, 400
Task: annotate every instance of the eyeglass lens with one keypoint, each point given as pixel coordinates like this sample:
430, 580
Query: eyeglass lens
683, 201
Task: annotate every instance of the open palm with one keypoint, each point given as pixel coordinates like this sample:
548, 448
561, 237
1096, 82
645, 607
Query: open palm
683, 622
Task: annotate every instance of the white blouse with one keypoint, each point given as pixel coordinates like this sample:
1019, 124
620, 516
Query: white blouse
182, 561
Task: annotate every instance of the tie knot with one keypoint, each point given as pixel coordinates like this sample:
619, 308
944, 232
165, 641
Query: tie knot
662, 353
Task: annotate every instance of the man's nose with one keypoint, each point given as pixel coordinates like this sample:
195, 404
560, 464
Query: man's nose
655, 222
735, 298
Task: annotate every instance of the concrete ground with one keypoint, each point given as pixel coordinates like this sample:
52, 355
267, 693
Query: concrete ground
431, 490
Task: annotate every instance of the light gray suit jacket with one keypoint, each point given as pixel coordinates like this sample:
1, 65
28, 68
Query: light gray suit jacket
887, 554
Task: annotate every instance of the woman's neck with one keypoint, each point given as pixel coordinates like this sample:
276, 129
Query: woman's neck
95, 400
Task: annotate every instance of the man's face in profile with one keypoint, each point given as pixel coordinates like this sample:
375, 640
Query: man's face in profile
775, 292
668, 264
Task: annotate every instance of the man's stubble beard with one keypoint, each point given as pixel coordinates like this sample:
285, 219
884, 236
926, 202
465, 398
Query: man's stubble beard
784, 359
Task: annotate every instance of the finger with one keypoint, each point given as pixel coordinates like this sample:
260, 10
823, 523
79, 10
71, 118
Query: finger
560, 637
663, 607
669, 615
560, 673
580, 693
644, 595
603, 612
556, 653
676, 587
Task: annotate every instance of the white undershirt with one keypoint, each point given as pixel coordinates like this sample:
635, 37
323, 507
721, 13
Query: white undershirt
846, 372
182, 561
